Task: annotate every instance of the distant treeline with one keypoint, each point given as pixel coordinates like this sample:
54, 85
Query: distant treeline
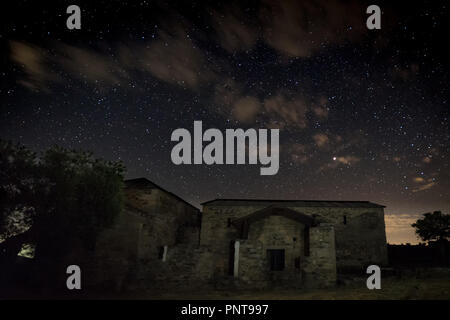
431, 254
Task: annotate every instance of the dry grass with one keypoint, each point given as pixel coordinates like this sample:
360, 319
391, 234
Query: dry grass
391, 289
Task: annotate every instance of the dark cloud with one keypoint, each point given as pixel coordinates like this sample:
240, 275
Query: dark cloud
320, 109
300, 28
299, 153
232, 30
32, 60
172, 58
321, 140
246, 109
289, 110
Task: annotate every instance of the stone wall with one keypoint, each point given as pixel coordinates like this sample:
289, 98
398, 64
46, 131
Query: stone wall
273, 232
128, 255
316, 269
359, 242
217, 233
320, 265
252, 264
185, 266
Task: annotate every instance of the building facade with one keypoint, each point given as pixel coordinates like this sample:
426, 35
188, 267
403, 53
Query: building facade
300, 243
161, 241
139, 251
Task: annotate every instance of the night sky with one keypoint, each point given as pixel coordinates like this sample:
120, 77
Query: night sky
363, 114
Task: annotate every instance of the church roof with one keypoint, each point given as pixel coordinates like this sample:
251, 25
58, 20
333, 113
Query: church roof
140, 183
144, 183
293, 203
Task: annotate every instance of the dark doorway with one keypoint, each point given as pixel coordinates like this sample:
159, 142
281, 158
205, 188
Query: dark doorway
160, 252
231, 259
306, 241
276, 259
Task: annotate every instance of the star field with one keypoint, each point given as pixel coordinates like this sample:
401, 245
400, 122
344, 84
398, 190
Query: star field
363, 114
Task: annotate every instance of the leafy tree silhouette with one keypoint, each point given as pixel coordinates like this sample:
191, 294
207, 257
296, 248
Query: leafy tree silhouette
59, 201
434, 227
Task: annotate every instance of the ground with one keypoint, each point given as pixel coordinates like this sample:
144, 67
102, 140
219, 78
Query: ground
391, 289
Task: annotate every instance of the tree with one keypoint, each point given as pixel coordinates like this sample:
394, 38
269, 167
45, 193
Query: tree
55, 201
18, 187
434, 227
84, 197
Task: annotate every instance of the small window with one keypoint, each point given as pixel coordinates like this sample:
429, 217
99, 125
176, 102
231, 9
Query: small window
345, 219
276, 259
297, 263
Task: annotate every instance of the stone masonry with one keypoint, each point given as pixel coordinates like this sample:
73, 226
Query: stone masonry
162, 242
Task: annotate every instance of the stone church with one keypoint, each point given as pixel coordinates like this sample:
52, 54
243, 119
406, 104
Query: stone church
160, 241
